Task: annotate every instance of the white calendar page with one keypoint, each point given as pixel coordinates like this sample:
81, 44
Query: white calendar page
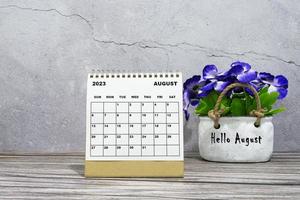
134, 116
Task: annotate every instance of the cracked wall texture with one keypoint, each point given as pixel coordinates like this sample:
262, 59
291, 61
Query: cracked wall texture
48, 47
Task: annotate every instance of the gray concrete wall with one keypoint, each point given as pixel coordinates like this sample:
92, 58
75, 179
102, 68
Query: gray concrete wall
48, 47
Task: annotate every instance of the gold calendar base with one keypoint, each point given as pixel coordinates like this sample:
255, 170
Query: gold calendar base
134, 168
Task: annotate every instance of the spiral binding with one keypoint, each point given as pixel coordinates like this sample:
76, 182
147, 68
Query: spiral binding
124, 74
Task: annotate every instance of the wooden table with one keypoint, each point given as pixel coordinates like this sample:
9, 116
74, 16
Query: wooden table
61, 177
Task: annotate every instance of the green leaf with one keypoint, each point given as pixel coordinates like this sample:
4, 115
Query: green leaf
202, 108
225, 105
240, 105
225, 101
225, 110
268, 99
275, 111
263, 90
273, 96
252, 107
211, 99
238, 95
249, 105
208, 103
237, 107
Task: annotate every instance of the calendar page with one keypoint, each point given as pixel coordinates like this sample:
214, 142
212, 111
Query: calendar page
134, 116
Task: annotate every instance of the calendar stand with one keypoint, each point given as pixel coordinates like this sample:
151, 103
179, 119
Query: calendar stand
134, 168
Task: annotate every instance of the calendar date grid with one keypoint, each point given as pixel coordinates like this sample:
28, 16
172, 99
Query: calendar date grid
156, 135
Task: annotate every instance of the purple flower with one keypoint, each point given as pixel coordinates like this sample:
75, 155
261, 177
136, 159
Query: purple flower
245, 66
242, 71
206, 88
276, 83
190, 93
210, 72
265, 77
196, 88
221, 85
213, 80
247, 76
257, 84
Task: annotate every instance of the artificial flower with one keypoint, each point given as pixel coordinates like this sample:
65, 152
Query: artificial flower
190, 94
196, 88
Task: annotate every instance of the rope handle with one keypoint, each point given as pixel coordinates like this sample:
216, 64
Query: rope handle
215, 114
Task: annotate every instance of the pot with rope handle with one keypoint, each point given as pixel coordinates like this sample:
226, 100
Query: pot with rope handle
236, 139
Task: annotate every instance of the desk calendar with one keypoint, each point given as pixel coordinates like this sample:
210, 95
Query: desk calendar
134, 125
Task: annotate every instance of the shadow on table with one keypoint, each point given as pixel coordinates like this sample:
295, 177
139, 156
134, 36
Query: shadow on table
79, 169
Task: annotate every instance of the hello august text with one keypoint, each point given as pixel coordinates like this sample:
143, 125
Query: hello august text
223, 138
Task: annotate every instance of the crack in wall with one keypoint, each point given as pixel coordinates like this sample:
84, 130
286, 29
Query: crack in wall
219, 56
141, 44
274, 57
202, 48
50, 10
157, 45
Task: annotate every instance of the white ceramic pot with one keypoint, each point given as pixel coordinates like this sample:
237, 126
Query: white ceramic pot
237, 139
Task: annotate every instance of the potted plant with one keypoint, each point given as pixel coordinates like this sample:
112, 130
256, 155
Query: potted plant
235, 108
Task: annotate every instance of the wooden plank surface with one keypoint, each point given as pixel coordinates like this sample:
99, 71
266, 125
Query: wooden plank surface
61, 177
